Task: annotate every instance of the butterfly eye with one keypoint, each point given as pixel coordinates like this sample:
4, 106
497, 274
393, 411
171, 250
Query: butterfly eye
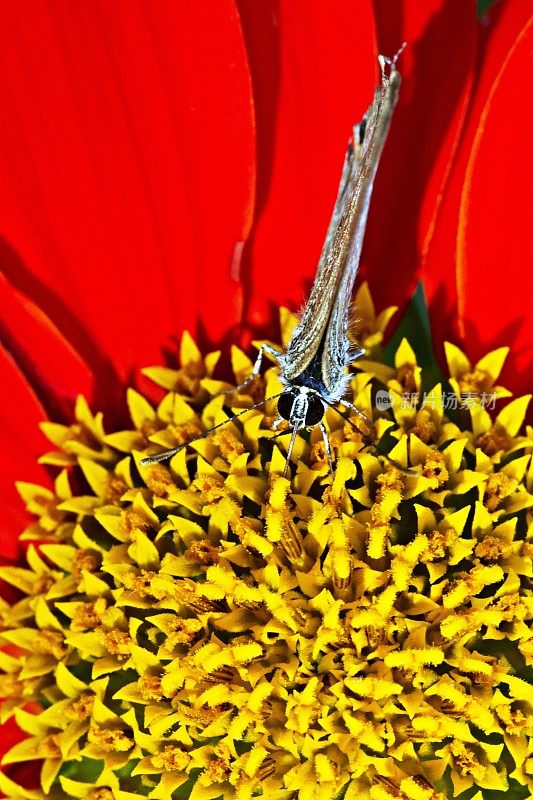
285, 404
315, 410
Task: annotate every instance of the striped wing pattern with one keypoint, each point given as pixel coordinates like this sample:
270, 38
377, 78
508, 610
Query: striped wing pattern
324, 321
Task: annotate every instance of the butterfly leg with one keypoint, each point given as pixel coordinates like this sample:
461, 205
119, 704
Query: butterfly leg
374, 436
265, 348
327, 447
289, 451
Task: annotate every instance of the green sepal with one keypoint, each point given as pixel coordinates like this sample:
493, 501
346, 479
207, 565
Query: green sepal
415, 326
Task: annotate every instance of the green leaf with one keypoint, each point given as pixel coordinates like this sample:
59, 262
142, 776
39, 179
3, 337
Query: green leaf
127, 769
415, 327
86, 770
483, 6
515, 792
184, 791
445, 784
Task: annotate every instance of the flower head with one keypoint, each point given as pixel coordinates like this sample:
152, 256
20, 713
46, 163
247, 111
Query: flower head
213, 628
163, 170
480, 380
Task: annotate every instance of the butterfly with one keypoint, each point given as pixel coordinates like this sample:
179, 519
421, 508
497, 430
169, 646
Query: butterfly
313, 369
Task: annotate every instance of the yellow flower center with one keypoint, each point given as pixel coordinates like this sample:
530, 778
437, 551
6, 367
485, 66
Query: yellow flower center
101, 793
406, 377
208, 625
476, 382
435, 470
498, 487
494, 440
171, 758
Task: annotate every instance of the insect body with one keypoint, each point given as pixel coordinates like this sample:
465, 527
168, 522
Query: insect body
313, 368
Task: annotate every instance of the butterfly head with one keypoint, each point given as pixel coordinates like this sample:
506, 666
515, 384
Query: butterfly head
301, 407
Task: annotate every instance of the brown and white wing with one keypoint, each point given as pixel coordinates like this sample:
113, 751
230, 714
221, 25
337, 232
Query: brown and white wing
324, 318
308, 334
351, 229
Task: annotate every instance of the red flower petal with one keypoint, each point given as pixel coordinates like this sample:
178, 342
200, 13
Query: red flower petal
438, 65
126, 169
310, 87
483, 231
24, 774
494, 190
21, 443
50, 363
313, 69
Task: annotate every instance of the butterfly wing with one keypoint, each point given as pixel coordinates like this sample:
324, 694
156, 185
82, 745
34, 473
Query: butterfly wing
349, 235
324, 321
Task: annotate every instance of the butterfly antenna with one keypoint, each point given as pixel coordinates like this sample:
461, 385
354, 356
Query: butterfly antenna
169, 453
376, 450
390, 62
